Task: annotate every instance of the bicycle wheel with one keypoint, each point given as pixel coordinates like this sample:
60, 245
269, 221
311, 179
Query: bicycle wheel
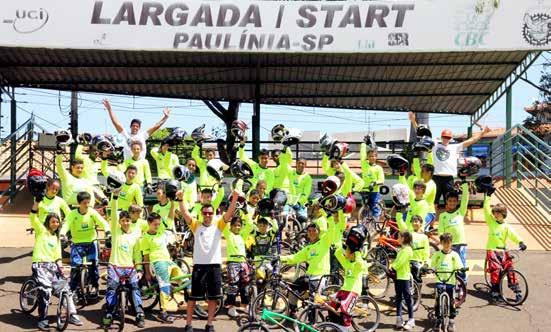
445, 312
329, 327
379, 255
187, 246
460, 292
377, 281
28, 296
201, 308
415, 292
253, 327
183, 265
292, 272
120, 311
311, 315
365, 314
150, 294
83, 285
271, 299
513, 287
63, 314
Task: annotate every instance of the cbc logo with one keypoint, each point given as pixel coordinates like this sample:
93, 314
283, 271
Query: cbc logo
28, 20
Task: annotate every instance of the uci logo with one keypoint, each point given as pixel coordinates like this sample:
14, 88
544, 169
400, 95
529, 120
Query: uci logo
28, 20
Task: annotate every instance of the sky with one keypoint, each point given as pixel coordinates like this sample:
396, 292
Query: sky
52, 110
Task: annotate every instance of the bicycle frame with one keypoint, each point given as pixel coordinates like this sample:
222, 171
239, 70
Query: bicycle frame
271, 317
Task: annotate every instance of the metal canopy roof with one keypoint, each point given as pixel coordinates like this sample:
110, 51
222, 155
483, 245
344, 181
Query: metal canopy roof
456, 83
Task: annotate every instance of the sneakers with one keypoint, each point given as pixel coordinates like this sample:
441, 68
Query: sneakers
107, 320
399, 323
518, 296
140, 320
94, 294
75, 320
43, 325
232, 312
188, 328
166, 318
496, 297
410, 324
451, 326
209, 328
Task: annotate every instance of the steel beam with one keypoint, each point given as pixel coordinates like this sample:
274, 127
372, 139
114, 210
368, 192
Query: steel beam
13, 146
508, 145
256, 123
73, 125
376, 95
507, 83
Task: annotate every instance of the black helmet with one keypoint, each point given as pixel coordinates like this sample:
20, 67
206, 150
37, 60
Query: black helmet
370, 142
397, 163
199, 136
241, 170
356, 237
278, 132
278, 196
245, 187
101, 143
483, 184
182, 173
265, 207
326, 142
36, 182
238, 129
171, 187
84, 139
292, 137
330, 185
423, 130
63, 137
468, 166
423, 144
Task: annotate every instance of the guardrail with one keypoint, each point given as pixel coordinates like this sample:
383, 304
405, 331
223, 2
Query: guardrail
524, 157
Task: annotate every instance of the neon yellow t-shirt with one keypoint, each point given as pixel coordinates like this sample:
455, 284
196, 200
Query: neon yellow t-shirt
47, 247
83, 226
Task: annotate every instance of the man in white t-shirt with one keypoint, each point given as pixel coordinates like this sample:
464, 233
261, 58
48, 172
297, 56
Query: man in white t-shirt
206, 278
135, 133
445, 157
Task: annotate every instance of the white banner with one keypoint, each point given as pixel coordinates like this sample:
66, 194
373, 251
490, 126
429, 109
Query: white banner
278, 26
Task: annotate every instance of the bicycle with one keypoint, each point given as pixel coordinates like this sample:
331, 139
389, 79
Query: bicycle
365, 214
269, 318
513, 287
28, 300
180, 285
124, 293
84, 290
365, 313
443, 301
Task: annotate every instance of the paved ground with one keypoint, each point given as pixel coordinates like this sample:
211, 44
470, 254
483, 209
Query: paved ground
476, 315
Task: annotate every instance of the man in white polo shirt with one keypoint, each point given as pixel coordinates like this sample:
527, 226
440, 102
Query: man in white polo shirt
445, 157
135, 133
206, 278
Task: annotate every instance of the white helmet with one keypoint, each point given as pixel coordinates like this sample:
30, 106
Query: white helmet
292, 137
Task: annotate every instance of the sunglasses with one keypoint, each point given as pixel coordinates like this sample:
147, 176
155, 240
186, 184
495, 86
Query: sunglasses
207, 213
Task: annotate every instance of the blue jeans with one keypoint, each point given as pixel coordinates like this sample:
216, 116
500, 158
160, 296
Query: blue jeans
429, 219
402, 289
113, 281
373, 199
461, 250
441, 287
79, 251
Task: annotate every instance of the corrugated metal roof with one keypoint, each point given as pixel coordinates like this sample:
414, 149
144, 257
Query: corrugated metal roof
455, 83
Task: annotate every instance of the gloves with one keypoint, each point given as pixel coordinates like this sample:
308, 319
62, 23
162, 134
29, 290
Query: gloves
104, 201
108, 240
38, 198
490, 191
522, 246
148, 189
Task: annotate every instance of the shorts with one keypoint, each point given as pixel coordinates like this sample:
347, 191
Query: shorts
206, 281
347, 300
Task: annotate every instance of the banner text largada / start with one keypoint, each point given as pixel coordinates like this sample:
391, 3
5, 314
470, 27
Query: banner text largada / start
279, 26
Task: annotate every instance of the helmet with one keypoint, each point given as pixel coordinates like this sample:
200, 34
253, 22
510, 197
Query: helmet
115, 180
446, 133
182, 173
483, 184
63, 137
397, 163
265, 207
314, 199
356, 237
278, 132
199, 136
102, 144
423, 130
245, 186
370, 142
326, 142
333, 203
36, 182
330, 185
238, 129
338, 150
241, 170
350, 205
84, 138
214, 168
468, 166
171, 187
424, 144
292, 137
400, 195
241, 202
278, 196
176, 137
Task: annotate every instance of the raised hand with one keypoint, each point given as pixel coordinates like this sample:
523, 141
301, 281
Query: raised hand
107, 104
166, 112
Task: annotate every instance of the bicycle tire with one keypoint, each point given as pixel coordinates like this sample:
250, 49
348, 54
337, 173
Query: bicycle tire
63, 314
329, 327
460, 292
380, 255
445, 312
520, 278
200, 310
378, 281
121, 310
183, 265
259, 303
83, 285
150, 294
415, 296
363, 308
306, 315
29, 291
253, 327
287, 273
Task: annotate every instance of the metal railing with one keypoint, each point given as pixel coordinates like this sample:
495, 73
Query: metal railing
522, 156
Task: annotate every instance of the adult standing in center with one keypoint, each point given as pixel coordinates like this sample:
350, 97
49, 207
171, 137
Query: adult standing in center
445, 157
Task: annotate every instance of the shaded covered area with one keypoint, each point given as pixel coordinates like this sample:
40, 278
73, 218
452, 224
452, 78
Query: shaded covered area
454, 82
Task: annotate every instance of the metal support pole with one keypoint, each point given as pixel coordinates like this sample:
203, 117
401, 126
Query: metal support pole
74, 121
256, 122
469, 135
518, 166
13, 148
508, 145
